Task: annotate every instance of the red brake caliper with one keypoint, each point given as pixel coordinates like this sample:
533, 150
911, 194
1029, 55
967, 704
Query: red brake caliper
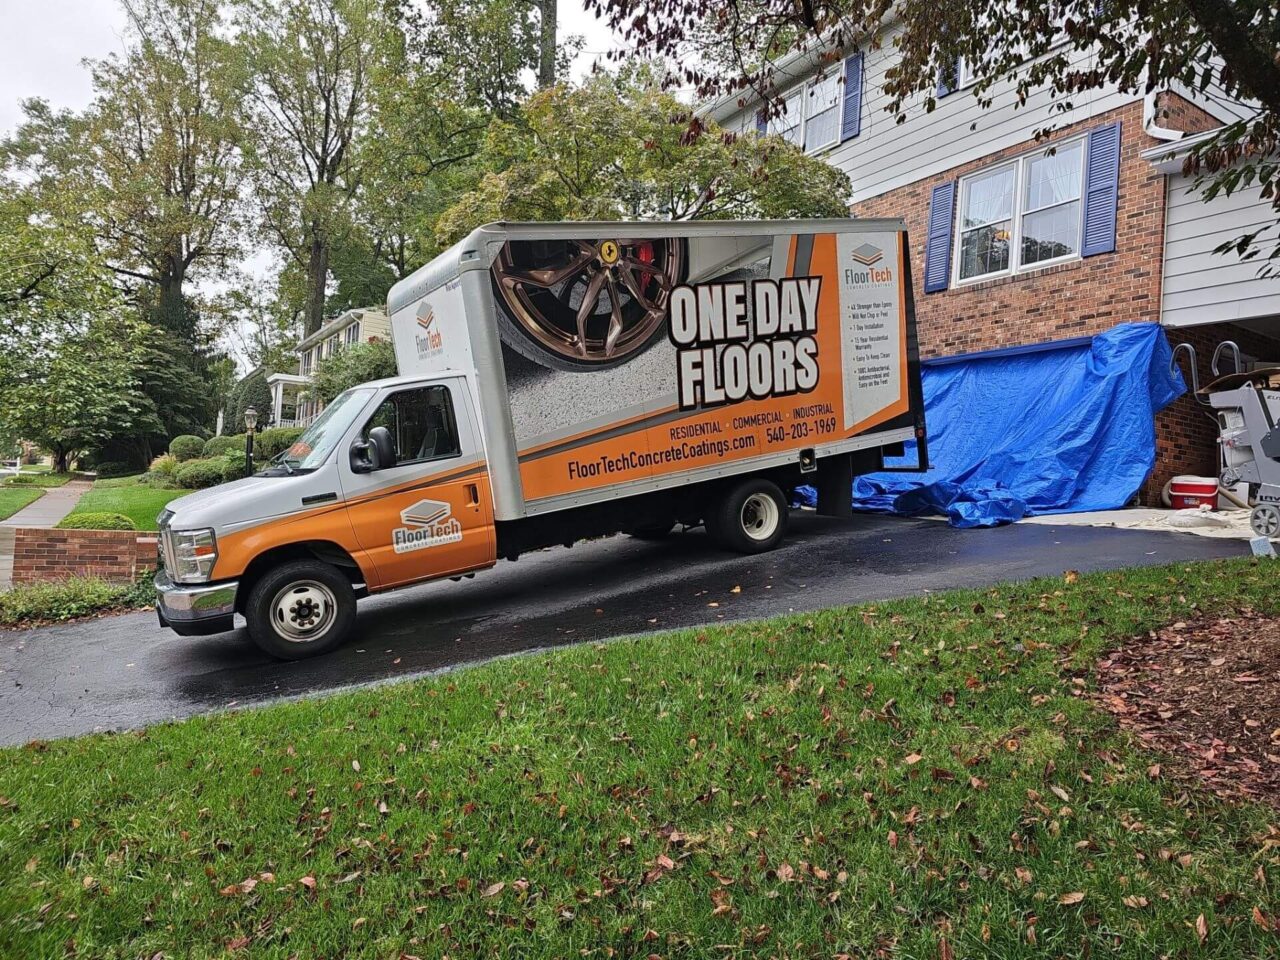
644, 253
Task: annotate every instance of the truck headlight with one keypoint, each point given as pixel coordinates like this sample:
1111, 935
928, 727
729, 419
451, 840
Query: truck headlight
194, 554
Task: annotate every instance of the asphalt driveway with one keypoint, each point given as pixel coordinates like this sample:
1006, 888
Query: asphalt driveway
125, 672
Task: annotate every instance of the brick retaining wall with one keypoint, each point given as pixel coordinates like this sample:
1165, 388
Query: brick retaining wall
117, 555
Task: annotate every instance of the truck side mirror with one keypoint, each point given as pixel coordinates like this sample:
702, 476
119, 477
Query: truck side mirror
382, 449
361, 461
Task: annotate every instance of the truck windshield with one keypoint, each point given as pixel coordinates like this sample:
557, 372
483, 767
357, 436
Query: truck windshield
317, 442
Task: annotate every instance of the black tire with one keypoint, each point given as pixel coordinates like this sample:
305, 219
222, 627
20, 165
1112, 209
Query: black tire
283, 603
743, 520
652, 531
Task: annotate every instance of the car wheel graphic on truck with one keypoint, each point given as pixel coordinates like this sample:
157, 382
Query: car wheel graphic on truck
300, 609
585, 304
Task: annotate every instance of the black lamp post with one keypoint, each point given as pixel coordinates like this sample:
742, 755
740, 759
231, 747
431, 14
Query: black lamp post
250, 422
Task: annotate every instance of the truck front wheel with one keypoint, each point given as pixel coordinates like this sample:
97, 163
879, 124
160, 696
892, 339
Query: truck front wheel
750, 518
300, 609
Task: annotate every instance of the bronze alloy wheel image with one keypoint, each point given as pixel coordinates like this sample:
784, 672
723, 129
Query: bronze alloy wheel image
585, 304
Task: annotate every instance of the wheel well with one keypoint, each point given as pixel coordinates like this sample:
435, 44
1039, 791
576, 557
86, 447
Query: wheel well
324, 550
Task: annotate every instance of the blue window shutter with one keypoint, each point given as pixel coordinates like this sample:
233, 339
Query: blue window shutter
762, 122
949, 79
937, 250
851, 119
1101, 187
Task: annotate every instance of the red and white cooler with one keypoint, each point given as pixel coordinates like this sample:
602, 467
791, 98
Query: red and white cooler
1190, 493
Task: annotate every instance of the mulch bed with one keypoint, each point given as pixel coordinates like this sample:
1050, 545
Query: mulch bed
1206, 693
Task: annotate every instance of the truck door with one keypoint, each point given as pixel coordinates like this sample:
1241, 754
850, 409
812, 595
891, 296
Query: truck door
431, 513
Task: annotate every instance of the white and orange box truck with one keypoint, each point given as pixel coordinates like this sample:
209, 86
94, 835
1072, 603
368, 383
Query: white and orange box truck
561, 381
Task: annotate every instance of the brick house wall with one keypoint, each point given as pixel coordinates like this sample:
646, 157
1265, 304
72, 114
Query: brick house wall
1082, 297
115, 555
1072, 299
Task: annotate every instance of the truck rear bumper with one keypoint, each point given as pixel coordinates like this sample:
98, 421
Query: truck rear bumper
195, 610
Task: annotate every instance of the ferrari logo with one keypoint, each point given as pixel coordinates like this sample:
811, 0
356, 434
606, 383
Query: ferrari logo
609, 252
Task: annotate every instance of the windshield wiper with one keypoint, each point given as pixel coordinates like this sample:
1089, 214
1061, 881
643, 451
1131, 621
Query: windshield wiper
282, 459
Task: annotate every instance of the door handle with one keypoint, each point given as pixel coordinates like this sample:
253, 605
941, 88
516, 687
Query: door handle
473, 495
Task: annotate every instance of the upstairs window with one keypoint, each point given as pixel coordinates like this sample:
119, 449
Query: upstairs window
1021, 215
822, 113
352, 334
789, 125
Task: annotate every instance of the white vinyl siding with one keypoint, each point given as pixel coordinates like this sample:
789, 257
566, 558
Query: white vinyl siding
1021, 215
1201, 286
888, 155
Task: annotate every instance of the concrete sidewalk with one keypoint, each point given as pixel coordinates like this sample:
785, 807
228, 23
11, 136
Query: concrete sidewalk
56, 503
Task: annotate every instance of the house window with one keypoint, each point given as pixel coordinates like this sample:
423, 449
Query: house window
304, 366
789, 124
1021, 215
352, 334
822, 113
331, 346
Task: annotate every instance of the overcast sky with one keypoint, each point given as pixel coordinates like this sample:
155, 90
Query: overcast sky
44, 42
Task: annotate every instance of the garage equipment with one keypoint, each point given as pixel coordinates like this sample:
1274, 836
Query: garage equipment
1245, 406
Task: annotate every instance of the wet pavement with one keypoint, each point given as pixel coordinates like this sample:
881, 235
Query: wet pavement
125, 672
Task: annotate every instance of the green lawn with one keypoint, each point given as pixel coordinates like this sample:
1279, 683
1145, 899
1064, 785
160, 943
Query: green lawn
37, 479
872, 781
13, 499
125, 495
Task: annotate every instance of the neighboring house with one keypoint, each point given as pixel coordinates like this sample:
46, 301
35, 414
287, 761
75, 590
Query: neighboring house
1013, 246
290, 403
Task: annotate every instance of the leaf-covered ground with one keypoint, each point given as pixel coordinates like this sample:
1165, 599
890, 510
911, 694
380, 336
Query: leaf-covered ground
1207, 694
927, 778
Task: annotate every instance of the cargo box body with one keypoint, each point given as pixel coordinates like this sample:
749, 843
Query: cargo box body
613, 360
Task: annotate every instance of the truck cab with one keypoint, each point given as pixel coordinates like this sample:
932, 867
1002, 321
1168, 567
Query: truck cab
389, 486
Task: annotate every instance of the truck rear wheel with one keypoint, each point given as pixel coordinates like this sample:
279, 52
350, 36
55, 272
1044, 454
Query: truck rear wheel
750, 518
300, 609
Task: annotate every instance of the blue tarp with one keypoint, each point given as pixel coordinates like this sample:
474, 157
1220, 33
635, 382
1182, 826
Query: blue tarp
1058, 430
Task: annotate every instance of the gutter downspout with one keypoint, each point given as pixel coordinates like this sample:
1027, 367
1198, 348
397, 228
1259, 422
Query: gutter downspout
1149, 124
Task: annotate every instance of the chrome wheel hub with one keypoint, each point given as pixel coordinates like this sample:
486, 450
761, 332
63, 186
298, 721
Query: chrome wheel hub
759, 516
304, 611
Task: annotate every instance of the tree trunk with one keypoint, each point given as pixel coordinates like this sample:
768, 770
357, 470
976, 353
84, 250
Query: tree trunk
547, 45
171, 306
317, 280
61, 461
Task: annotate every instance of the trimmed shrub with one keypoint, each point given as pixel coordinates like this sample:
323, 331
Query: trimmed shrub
160, 481
114, 468
165, 465
227, 443
273, 442
96, 521
198, 474
186, 447
233, 467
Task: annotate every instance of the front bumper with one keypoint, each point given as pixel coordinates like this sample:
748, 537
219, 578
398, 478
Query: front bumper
195, 610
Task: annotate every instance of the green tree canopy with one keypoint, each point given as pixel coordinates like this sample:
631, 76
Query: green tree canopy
617, 147
69, 360
351, 366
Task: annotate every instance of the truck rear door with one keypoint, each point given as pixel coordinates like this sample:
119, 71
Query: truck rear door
431, 513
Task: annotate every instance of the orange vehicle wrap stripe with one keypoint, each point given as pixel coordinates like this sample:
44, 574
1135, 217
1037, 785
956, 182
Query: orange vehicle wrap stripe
740, 430
329, 523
